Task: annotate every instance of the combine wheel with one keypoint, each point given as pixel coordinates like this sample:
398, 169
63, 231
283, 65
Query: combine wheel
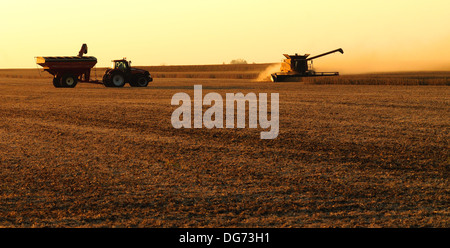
274, 77
69, 81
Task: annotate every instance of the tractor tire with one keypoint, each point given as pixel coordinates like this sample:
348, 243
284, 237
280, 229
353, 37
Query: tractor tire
140, 81
116, 79
106, 80
69, 81
57, 82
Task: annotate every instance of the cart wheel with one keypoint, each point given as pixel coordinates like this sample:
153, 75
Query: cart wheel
57, 82
69, 81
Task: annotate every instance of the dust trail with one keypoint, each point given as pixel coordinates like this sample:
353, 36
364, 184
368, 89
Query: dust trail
265, 75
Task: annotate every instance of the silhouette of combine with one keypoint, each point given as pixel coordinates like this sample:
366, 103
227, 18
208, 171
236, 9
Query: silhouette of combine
296, 67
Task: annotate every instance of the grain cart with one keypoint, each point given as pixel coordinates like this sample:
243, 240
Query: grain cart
295, 67
67, 71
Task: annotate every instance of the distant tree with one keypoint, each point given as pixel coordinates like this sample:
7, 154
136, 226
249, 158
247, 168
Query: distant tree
238, 61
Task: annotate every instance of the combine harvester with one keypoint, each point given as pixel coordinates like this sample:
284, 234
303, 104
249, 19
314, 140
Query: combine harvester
295, 67
69, 70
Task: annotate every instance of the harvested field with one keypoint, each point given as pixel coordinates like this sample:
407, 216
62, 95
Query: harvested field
226, 71
346, 156
387, 78
258, 72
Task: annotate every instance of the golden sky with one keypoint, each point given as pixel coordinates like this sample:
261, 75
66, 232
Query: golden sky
382, 35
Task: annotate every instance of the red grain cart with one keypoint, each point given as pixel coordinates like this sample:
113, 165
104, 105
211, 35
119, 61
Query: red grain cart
67, 71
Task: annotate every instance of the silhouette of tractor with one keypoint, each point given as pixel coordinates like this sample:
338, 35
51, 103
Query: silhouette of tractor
123, 73
67, 71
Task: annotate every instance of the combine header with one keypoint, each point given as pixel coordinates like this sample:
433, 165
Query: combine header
69, 70
296, 67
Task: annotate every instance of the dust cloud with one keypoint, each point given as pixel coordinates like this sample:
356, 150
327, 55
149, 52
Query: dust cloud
265, 75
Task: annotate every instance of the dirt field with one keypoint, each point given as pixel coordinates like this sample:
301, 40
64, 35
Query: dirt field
346, 156
258, 72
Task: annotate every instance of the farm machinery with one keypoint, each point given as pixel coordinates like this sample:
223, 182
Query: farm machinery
295, 67
67, 71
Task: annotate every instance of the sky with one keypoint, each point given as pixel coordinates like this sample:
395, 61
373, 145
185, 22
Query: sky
384, 35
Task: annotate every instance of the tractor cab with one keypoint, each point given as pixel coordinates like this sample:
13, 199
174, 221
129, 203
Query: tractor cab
122, 65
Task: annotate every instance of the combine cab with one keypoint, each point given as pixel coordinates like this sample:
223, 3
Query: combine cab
295, 67
69, 70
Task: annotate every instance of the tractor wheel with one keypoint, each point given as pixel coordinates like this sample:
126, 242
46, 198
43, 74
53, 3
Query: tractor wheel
57, 82
69, 81
116, 79
106, 80
140, 81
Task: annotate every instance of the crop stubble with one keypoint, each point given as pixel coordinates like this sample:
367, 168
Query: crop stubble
346, 156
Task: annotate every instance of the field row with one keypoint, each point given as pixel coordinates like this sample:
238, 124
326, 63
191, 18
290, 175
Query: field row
259, 72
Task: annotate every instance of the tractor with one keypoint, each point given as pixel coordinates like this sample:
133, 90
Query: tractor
122, 73
67, 71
